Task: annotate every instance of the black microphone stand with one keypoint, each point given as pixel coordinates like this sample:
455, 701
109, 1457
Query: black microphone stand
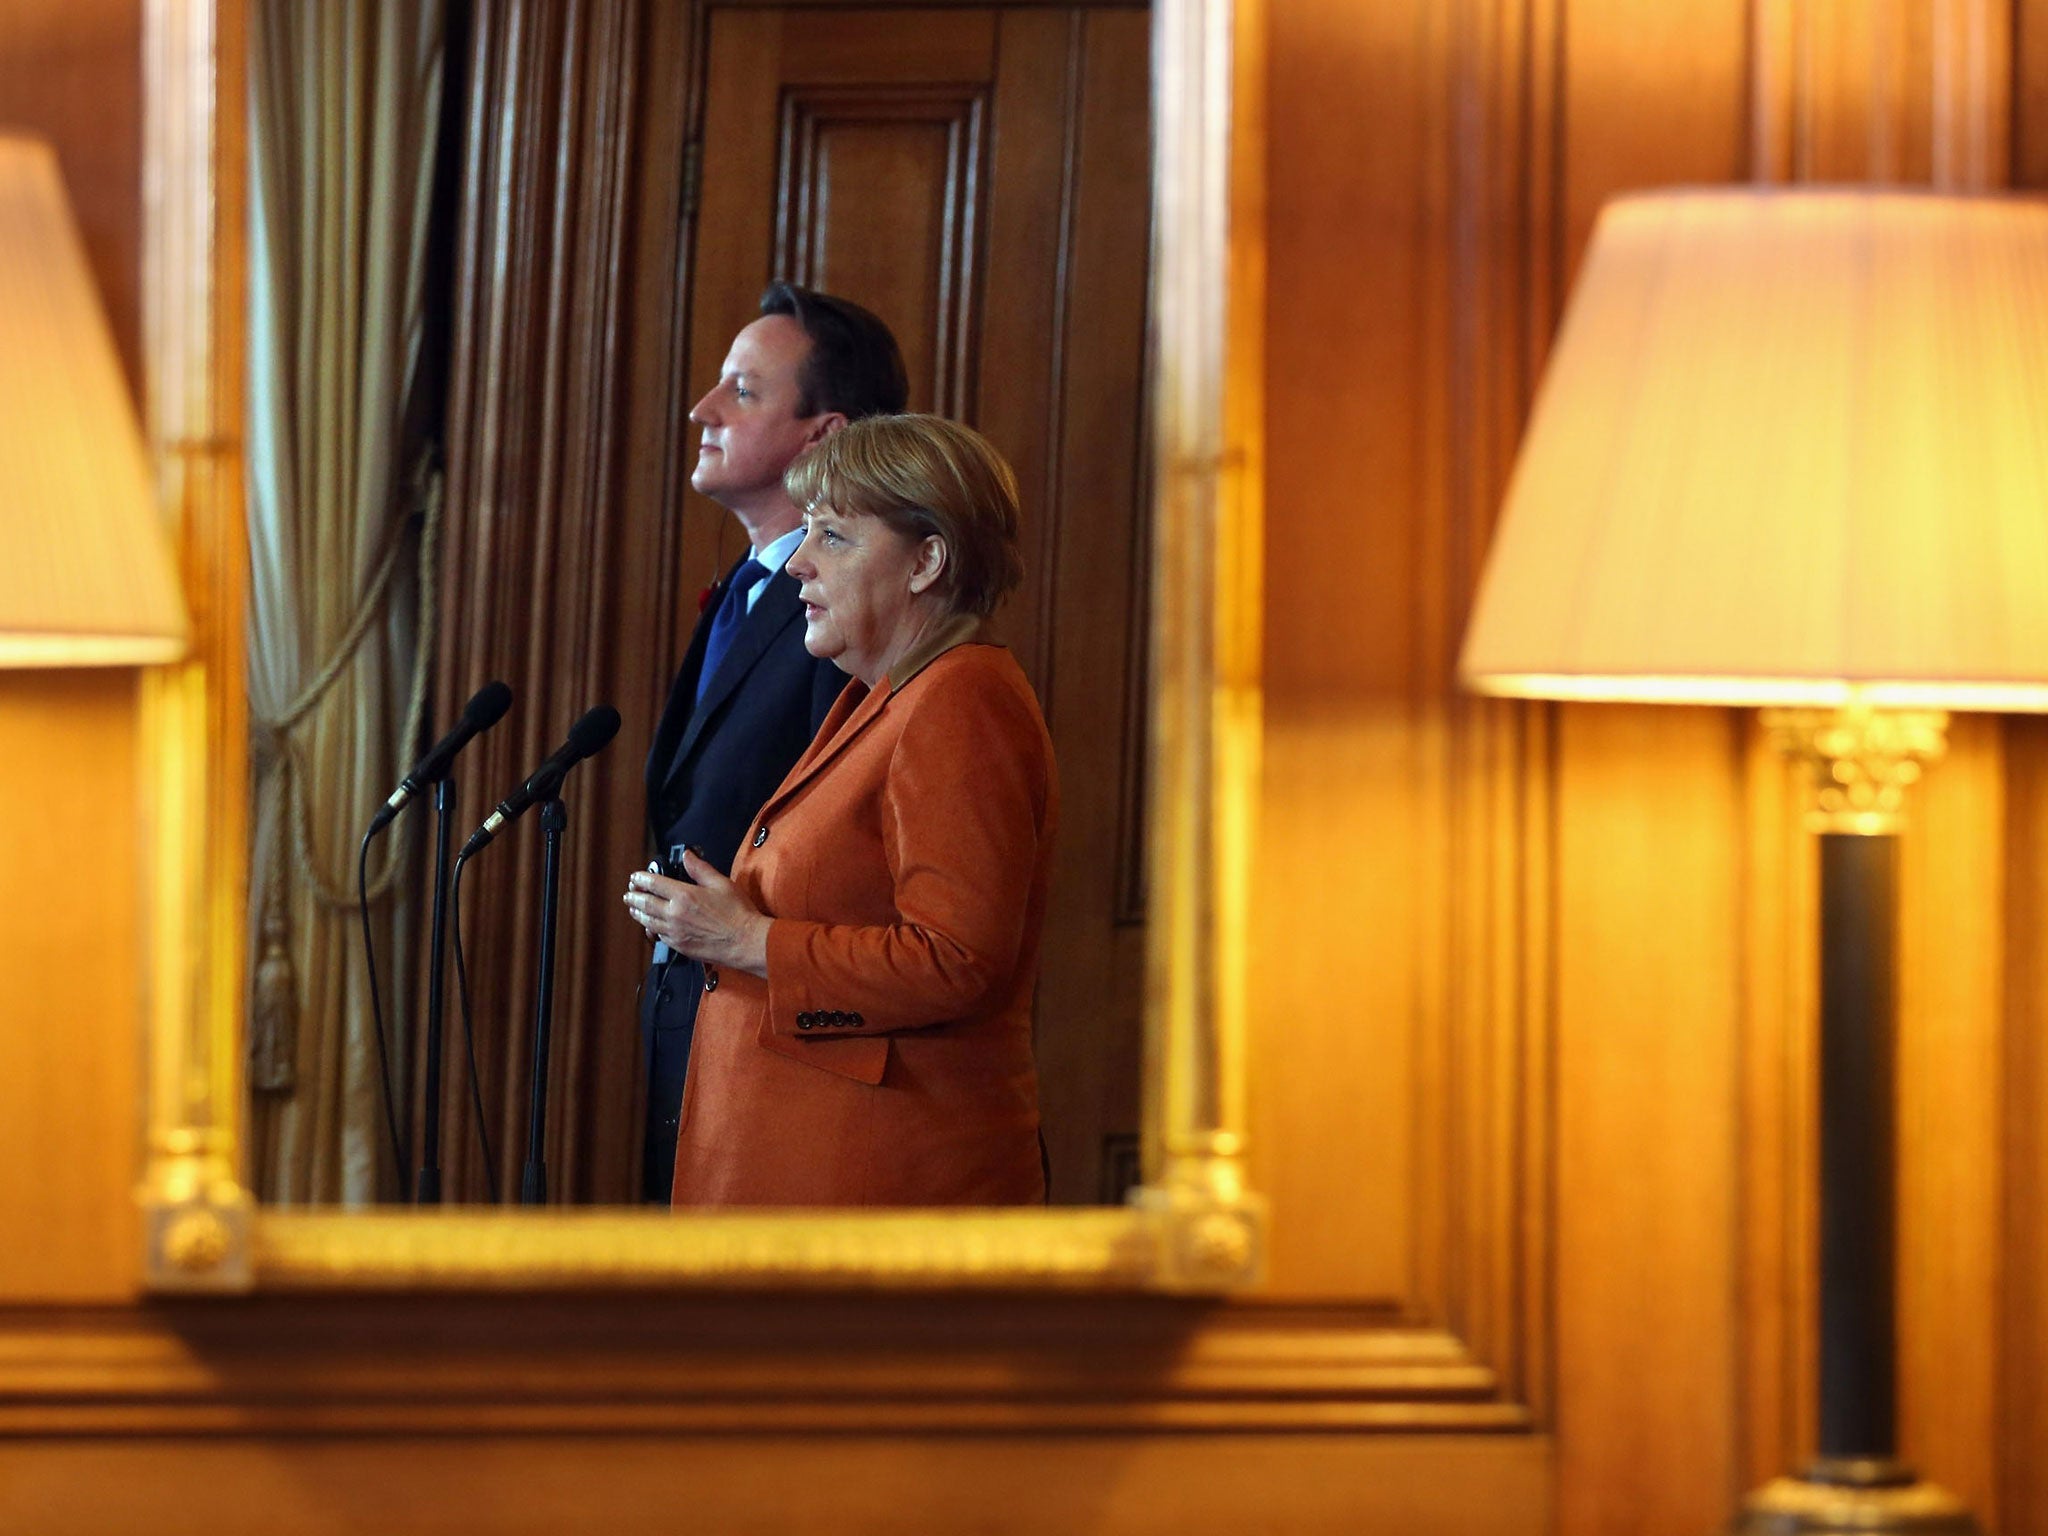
428, 1190
554, 816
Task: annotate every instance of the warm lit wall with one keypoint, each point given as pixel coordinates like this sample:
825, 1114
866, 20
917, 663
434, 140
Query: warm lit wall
1576, 940
1529, 1092
71, 72
71, 926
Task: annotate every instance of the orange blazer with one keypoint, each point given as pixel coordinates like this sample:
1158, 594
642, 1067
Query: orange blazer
886, 1060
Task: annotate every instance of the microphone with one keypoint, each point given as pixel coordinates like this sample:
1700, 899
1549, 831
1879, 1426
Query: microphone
484, 710
587, 737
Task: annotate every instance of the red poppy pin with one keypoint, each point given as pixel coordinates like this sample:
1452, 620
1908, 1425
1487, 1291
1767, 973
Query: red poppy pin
704, 597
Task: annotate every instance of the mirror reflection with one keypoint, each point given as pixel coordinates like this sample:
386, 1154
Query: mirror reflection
543, 310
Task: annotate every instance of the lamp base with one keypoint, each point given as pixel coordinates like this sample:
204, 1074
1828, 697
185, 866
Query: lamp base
1852, 1496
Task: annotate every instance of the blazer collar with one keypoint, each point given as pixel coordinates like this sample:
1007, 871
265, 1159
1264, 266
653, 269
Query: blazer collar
934, 643
865, 705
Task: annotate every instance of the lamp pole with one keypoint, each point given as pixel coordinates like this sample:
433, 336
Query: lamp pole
1864, 761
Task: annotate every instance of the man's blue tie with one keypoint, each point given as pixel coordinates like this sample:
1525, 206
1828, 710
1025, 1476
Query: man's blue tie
726, 622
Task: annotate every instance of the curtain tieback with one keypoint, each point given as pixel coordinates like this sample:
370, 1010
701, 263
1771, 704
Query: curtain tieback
277, 758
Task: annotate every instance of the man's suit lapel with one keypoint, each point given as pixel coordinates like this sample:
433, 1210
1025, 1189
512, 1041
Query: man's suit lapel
675, 713
774, 611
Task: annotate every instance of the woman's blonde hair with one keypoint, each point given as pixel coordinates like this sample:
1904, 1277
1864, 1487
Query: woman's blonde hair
924, 476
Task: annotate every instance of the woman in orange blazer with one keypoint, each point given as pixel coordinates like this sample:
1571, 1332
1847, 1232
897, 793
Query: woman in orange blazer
866, 1034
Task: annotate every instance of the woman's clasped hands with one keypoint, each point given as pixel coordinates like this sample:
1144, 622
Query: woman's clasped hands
704, 917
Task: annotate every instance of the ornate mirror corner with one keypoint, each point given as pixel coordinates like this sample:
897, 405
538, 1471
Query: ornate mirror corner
1192, 1225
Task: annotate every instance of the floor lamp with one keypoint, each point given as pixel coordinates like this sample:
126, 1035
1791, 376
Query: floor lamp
1791, 451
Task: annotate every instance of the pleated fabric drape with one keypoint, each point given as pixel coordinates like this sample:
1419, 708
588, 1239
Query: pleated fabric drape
345, 102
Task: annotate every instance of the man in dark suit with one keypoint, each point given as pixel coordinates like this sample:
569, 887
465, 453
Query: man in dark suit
749, 696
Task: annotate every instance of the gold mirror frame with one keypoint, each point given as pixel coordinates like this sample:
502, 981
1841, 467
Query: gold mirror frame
1193, 1225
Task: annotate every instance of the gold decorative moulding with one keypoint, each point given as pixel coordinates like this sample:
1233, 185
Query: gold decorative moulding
1862, 761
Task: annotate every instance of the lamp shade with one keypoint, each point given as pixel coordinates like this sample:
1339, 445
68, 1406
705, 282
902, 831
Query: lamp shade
85, 570
1791, 448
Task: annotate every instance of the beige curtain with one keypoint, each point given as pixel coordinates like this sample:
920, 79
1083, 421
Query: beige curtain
344, 105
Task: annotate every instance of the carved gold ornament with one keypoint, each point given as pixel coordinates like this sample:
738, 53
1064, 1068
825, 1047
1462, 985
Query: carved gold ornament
1862, 761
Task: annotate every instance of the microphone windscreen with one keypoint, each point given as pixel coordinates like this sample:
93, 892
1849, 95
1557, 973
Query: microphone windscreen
487, 706
594, 731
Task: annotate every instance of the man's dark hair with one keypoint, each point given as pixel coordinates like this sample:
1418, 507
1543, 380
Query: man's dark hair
854, 366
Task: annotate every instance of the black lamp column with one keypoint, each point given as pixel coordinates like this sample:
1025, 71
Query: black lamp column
1865, 760
1858, 1181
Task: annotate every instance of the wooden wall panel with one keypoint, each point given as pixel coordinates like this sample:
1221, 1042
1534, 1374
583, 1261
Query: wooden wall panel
2029, 78
1337, 952
71, 72
1027, 237
70, 924
1647, 976
905, 161
1314, 1485
1952, 1017
1487, 903
1779, 1171
2021, 1326
1889, 92
1086, 639
1655, 96
908, 157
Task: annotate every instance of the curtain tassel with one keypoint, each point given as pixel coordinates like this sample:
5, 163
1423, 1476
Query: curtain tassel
274, 1011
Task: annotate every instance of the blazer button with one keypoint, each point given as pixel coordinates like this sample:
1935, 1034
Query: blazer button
855, 1020
761, 834
804, 1021
710, 978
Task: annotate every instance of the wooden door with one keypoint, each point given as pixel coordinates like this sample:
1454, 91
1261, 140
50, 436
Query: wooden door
980, 179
